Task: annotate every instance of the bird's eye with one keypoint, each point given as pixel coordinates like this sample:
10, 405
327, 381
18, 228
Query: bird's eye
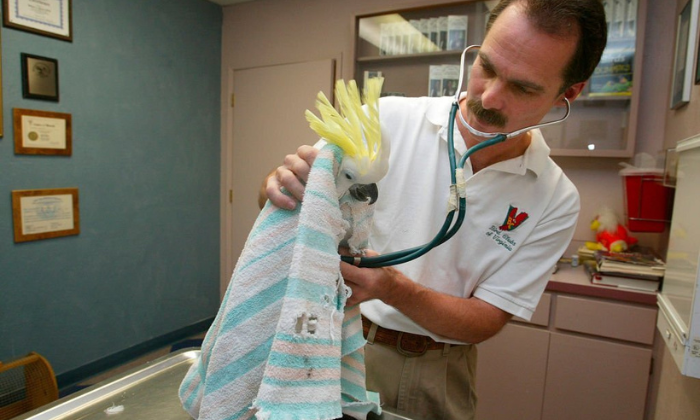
348, 176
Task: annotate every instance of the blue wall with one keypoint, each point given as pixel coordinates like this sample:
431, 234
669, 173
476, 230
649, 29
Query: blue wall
142, 82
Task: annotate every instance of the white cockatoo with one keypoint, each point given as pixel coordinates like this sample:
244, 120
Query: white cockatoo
356, 131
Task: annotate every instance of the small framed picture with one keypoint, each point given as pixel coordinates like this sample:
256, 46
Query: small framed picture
39, 77
44, 214
42, 132
686, 36
43, 17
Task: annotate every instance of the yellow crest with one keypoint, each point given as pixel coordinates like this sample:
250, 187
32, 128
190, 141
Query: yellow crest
355, 130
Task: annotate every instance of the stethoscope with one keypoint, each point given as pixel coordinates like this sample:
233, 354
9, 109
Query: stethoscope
457, 186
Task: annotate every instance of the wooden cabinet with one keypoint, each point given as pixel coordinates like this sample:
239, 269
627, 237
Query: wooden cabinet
588, 378
412, 48
510, 374
582, 358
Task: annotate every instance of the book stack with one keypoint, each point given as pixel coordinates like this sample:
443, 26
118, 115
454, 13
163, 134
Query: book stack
418, 36
585, 254
638, 270
443, 79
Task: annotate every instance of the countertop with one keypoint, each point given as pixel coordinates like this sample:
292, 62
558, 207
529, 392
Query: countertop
575, 280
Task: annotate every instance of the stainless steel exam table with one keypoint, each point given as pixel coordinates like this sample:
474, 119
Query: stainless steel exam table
148, 392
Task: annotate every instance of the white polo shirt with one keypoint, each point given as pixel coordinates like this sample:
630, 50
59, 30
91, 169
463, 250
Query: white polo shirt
505, 264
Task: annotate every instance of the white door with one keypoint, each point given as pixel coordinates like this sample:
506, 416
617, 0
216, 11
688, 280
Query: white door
268, 123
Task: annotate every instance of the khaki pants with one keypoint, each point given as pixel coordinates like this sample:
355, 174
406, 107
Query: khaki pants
437, 385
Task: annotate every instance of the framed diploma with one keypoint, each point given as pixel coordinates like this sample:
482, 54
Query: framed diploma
44, 214
44, 17
39, 77
42, 132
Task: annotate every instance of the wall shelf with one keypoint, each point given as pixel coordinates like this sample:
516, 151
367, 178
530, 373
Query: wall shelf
599, 126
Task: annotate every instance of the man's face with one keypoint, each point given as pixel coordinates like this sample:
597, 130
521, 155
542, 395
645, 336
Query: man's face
517, 76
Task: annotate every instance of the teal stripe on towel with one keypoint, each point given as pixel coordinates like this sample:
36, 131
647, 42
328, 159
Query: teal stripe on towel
330, 199
252, 306
195, 394
323, 163
352, 369
355, 390
351, 320
272, 251
303, 362
275, 218
239, 367
354, 342
337, 152
357, 356
189, 377
314, 239
303, 290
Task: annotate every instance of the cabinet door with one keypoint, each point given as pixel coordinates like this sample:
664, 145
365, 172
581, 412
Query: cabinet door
594, 379
511, 371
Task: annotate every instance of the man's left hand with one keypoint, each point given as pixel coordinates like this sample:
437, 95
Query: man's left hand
367, 283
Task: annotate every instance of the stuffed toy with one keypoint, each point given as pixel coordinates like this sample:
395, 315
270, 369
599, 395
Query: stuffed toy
610, 235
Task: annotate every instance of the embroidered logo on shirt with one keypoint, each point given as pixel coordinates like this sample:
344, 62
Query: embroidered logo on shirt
513, 219
500, 234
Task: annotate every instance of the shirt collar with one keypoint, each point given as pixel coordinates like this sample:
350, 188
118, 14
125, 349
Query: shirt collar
439, 115
535, 157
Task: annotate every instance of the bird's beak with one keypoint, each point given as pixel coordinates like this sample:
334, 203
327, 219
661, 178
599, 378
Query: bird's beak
362, 192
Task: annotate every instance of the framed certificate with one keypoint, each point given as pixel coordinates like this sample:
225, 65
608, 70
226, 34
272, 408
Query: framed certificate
44, 17
42, 132
39, 77
44, 214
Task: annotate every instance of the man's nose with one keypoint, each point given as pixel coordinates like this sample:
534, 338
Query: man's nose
493, 97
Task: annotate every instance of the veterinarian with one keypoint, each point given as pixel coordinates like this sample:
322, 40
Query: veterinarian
423, 318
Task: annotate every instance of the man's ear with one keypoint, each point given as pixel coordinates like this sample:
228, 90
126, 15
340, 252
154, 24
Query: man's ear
573, 91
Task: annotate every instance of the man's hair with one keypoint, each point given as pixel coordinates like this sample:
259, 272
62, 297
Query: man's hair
555, 17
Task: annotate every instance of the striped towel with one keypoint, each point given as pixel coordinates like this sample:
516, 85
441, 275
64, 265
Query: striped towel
283, 345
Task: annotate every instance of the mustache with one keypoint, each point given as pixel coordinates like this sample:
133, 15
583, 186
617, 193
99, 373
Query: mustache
487, 116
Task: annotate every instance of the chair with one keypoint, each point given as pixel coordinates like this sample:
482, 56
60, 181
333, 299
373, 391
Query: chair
25, 384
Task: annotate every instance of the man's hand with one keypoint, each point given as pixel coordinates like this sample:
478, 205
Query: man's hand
367, 283
292, 175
